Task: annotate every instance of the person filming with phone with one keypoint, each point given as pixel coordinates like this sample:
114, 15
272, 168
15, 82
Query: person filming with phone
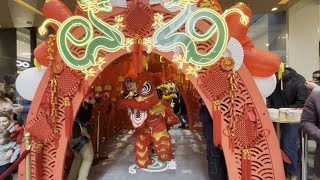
81, 144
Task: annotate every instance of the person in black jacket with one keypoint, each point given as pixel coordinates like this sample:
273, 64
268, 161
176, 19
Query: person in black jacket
293, 95
217, 169
81, 143
184, 114
177, 105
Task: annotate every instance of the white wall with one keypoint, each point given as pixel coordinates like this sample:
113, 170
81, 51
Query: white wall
303, 41
258, 32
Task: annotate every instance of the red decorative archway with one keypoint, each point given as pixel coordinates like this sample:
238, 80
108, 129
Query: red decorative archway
48, 157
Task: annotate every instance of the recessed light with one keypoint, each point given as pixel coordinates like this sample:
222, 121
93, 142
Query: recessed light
274, 9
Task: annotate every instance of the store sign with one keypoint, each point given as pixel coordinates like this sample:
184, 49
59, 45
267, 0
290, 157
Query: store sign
23, 64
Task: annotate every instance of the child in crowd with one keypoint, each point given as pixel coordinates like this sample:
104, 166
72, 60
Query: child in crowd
6, 123
9, 152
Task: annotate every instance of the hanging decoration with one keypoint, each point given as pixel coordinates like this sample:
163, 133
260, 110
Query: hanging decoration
246, 136
42, 132
53, 88
216, 86
165, 38
233, 117
68, 84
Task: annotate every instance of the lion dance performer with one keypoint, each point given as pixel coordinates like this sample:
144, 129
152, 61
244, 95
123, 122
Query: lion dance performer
150, 115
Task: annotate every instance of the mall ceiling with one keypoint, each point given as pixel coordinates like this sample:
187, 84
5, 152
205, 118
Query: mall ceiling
13, 14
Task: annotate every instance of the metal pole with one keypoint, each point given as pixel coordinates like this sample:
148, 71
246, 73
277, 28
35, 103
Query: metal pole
302, 157
27, 138
278, 131
98, 134
29, 7
306, 152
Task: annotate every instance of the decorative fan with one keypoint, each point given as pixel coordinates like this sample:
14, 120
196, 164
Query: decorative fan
235, 50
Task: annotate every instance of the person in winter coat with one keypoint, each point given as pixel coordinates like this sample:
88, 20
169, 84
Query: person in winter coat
314, 84
7, 123
310, 123
9, 152
81, 143
293, 95
22, 116
177, 105
217, 169
184, 114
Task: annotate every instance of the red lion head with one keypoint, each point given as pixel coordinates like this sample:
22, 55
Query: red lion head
147, 84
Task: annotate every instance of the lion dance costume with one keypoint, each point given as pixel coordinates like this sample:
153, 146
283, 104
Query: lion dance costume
150, 115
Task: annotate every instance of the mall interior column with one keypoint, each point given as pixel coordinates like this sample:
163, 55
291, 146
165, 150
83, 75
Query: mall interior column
8, 51
33, 42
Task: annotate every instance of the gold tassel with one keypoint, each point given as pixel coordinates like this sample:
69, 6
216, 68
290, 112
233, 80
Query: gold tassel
280, 74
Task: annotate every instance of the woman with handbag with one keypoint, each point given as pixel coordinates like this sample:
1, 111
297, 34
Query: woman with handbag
81, 144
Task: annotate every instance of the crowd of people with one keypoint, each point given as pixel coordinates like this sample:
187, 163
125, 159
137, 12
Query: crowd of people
13, 114
293, 91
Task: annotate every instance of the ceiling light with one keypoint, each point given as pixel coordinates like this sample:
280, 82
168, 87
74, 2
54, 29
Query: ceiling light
267, 44
274, 9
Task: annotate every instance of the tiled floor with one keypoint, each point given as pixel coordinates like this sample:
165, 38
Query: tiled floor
190, 156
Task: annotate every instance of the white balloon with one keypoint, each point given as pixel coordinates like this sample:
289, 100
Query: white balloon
266, 85
28, 81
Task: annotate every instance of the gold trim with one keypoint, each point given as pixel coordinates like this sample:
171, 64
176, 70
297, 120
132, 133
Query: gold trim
216, 105
142, 153
67, 101
158, 135
26, 5
246, 154
27, 138
139, 145
157, 109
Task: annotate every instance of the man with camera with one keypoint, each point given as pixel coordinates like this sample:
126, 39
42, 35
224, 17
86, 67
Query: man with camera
81, 144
